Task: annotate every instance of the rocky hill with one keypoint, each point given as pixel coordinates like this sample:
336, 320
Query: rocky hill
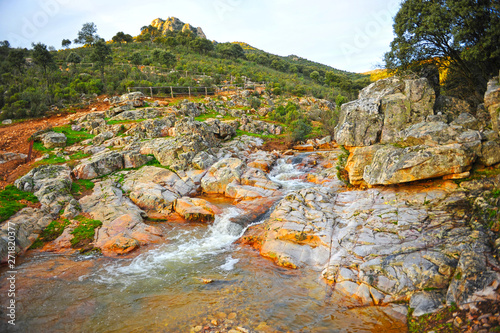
174, 24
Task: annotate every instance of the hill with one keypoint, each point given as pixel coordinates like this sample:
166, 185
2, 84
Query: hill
165, 53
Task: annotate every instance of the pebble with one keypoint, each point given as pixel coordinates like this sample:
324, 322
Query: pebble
231, 316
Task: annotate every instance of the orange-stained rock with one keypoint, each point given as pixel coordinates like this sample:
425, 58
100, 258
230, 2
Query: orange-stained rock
359, 158
306, 147
457, 175
196, 209
119, 244
62, 244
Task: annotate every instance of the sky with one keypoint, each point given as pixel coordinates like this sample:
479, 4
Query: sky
350, 35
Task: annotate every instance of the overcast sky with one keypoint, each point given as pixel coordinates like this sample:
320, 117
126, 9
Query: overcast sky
350, 35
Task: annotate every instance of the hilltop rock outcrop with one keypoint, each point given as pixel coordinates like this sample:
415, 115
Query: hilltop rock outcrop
174, 24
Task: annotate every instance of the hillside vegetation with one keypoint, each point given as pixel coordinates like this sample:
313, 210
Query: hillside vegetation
36, 80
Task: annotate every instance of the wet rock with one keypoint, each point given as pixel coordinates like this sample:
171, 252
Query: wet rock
221, 174
195, 209
53, 140
122, 225
392, 165
261, 160
23, 228
99, 165
246, 192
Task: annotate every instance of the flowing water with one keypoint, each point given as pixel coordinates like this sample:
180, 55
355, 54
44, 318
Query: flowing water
196, 276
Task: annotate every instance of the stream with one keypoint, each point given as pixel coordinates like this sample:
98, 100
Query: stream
196, 276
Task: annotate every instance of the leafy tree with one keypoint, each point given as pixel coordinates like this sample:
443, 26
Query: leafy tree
465, 34
230, 50
87, 35
168, 59
314, 76
122, 37
66, 43
16, 59
201, 45
101, 55
300, 128
74, 59
136, 58
43, 58
149, 33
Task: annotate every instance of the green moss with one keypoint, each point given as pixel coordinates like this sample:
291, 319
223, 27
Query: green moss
240, 133
85, 231
81, 184
126, 121
71, 135
51, 232
10, 201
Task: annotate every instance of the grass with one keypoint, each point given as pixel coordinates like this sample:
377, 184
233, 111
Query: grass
80, 185
11, 201
71, 135
51, 232
84, 232
271, 136
126, 121
435, 321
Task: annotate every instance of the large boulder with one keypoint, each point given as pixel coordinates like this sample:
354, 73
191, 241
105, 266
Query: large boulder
492, 101
221, 174
99, 165
384, 109
393, 165
359, 158
123, 229
195, 209
51, 184
53, 140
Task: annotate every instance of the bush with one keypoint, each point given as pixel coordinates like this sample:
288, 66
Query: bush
255, 103
300, 129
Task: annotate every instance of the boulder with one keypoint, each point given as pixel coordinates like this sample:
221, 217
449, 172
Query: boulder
203, 160
195, 209
151, 128
392, 165
6, 157
492, 101
221, 174
384, 109
359, 158
134, 159
51, 184
129, 97
53, 139
123, 228
490, 153
466, 120
451, 107
99, 165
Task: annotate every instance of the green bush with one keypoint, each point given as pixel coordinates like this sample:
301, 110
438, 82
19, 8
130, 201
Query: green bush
300, 129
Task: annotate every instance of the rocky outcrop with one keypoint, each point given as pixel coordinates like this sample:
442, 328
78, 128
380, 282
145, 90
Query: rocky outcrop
492, 101
123, 229
383, 109
221, 174
126, 98
174, 24
392, 165
196, 209
99, 165
382, 246
51, 184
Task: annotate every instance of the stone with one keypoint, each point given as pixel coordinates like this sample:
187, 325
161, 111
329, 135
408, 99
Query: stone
392, 165
6, 157
466, 120
195, 209
203, 160
451, 107
134, 159
490, 153
100, 138
132, 96
6, 121
425, 302
53, 139
358, 159
221, 174
51, 184
99, 165
492, 101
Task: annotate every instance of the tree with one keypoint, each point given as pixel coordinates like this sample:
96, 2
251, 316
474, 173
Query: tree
460, 35
122, 37
136, 58
87, 35
74, 59
201, 45
148, 32
314, 76
66, 43
43, 58
101, 56
16, 59
230, 50
168, 59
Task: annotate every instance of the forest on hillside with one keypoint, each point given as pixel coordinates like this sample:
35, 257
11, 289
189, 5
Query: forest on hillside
37, 80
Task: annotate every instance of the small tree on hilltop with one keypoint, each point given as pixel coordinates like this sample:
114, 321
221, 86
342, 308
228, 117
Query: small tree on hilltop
87, 35
122, 37
16, 59
101, 56
74, 59
66, 43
